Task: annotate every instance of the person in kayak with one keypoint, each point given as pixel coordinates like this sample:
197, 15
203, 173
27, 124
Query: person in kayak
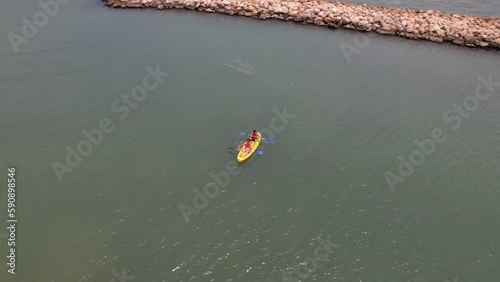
248, 146
254, 135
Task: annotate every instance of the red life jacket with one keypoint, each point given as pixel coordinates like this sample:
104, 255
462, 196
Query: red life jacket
254, 135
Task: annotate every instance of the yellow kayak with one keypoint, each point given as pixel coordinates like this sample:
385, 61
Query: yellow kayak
243, 156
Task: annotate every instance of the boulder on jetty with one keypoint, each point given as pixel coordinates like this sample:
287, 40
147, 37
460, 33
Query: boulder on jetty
429, 25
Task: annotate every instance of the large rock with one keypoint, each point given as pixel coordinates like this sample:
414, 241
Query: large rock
436, 38
319, 21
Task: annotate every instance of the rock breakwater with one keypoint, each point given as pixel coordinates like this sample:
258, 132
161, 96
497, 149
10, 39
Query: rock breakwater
430, 25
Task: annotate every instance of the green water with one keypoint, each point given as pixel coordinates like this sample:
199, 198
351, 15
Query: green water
323, 178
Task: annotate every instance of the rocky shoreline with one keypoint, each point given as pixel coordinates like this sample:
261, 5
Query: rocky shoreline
430, 25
